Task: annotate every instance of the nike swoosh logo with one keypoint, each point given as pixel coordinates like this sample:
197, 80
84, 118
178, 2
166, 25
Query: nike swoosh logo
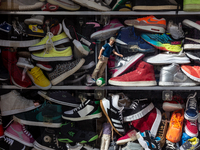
195, 40
149, 20
40, 117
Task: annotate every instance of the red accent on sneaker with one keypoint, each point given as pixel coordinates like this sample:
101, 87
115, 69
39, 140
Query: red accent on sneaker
56, 29
49, 7
44, 65
1, 131
191, 128
129, 136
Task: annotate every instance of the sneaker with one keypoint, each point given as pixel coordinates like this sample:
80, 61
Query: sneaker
89, 80
173, 76
10, 144
138, 109
1, 128
39, 79
66, 4
13, 103
175, 30
113, 113
64, 70
175, 126
78, 146
143, 75
48, 115
149, 23
19, 133
60, 97
124, 101
44, 66
93, 4
57, 29
35, 30
191, 24
4, 75
184, 138
191, 5
108, 30
87, 110
191, 110
132, 146
115, 5
21, 5
65, 54
193, 72
162, 42
127, 138
147, 141
5, 27
69, 134
35, 20
80, 50
168, 58
170, 146
194, 55
156, 5
89, 61
24, 63
190, 144
49, 7
57, 40
191, 128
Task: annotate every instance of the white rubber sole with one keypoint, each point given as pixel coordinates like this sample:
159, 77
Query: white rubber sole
153, 29
41, 147
64, 4
193, 57
166, 7
187, 131
33, 21
136, 83
191, 46
31, 7
191, 24
8, 43
88, 66
41, 124
48, 59
176, 84
44, 68
22, 65
191, 118
171, 107
18, 139
66, 30
164, 61
68, 73
79, 47
190, 76
99, 115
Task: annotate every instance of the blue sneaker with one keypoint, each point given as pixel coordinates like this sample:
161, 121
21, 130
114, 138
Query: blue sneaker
128, 39
191, 111
5, 27
184, 138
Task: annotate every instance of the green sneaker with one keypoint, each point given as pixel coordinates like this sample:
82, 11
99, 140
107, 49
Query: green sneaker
48, 115
191, 5
50, 38
69, 134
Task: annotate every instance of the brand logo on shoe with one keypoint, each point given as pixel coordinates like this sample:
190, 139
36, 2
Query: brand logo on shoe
71, 133
113, 110
34, 28
149, 20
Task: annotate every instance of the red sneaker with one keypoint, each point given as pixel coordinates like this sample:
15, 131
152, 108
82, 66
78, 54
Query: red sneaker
192, 72
191, 128
17, 75
44, 65
130, 136
1, 128
143, 75
56, 29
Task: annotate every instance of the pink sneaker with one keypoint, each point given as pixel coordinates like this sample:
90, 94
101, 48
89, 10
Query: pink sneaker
130, 136
19, 133
191, 128
107, 31
44, 65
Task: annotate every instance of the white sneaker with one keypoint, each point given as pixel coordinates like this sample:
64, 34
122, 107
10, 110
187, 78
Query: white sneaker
66, 4
35, 20
24, 63
89, 80
175, 30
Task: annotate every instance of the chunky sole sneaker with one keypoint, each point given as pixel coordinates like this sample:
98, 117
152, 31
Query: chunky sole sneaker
9, 43
66, 4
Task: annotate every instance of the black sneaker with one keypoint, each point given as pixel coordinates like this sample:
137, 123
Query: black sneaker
89, 61
60, 97
155, 5
138, 109
4, 75
194, 55
87, 110
69, 134
10, 144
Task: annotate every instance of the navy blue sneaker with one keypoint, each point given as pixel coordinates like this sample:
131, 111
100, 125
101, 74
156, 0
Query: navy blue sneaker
184, 138
5, 27
128, 39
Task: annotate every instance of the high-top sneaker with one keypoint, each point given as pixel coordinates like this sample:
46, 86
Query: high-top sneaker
11, 144
19, 133
143, 75
17, 76
191, 128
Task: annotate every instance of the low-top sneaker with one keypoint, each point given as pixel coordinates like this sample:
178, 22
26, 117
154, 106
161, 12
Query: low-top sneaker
191, 128
192, 143
129, 136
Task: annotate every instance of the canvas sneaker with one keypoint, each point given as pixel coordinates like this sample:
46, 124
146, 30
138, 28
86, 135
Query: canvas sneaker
44, 66
39, 79
192, 143
129, 136
173, 76
143, 75
19, 133
184, 138
87, 110
11, 144
24, 63
35, 30
69, 134
138, 109
175, 30
35, 20
149, 23
170, 145
13, 103
191, 128
191, 110
66, 4
193, 72
48, 115
107, 31
64, 70
175, 126
191, 5
5, 27
162, 42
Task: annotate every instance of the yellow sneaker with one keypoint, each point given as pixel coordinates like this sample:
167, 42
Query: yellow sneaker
64, 54
39, 79
56, 40
33, 30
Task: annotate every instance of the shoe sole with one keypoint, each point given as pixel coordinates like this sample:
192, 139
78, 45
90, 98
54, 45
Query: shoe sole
191, 46
22, 65
8, 43
88, 66
63, 5
177, 84
66, 30
166, 7
43, 46
164, 61
190, 118
95, 116
153, 29
191, 24
79, 47
171, 107
142, 141
44, 68
130, 64
135, 83
33, 21
108, 118
41, 124
41, 147
41, 93
122, 142
193, 57
49, 59
191, 76
18, 139
36, 35
187, 131
139, 114
191, 7
68, 73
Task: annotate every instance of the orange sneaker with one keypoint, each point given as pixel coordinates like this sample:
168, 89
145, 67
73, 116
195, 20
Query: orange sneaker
192, 72
175, 126
150, 23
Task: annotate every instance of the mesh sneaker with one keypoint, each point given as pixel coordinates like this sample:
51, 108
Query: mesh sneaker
24, 63
129, 136
69, 134
191, 128
87, 110
175, 30
192, 143
162, 42
19, 133
149, 23
191, 5
193, 72
66, 4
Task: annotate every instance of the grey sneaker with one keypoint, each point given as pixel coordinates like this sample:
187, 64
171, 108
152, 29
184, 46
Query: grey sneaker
13, 103
192, 143
175, 30
64, 70
35, 20
24, 63
173, 76
132, 146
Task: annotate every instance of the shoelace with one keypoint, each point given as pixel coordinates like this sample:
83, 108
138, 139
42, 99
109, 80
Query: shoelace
134, 104
49, 43
26, 132
193, 102
8, 140
120, 114
37, 73
176, 122
170, 145
79, 107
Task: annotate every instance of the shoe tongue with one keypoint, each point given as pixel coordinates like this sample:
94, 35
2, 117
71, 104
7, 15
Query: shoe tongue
178, 115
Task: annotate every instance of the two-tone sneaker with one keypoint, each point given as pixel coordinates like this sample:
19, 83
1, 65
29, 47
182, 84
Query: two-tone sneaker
191, 128
67, 4
128, 137
35, 31
193, 72
192, 143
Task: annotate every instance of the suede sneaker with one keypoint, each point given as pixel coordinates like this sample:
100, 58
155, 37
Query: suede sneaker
193, 72
129, 136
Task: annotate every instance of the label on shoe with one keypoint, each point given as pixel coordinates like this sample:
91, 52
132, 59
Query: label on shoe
85, 41
167, 95
99, 94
